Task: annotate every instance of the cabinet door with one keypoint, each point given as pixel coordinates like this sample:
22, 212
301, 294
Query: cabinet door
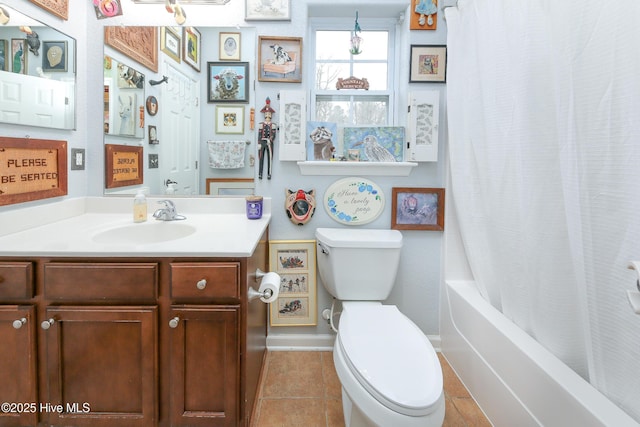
205, 366
18, 365
101, 366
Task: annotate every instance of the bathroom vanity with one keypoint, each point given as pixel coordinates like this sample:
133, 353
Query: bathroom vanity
105, 327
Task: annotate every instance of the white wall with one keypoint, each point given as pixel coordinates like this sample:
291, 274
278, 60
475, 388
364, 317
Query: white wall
417, 288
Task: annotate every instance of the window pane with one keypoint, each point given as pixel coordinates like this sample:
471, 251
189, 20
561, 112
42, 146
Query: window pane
327, 74
333, 109
332, 44
376, 75
372, 111
375, 45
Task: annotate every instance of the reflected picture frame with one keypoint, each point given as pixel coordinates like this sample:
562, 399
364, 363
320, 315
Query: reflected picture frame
217, 90
51, 50
415, 208
231, 187
255, 10
428, 64
295, 263
4, 55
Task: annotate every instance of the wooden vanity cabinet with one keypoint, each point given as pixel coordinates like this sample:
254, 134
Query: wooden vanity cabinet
131, 342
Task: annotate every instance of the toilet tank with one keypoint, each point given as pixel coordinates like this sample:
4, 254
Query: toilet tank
358, 265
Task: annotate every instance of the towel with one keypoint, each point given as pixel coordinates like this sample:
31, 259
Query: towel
226, 154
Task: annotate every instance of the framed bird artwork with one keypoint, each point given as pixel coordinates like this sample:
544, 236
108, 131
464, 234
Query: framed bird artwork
375, 144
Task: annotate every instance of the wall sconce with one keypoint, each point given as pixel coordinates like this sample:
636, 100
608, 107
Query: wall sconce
356, 40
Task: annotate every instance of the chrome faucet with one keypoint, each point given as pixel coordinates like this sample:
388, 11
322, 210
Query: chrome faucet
168, 213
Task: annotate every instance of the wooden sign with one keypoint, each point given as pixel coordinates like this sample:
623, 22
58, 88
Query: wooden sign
124, 165
352, 83
32, 169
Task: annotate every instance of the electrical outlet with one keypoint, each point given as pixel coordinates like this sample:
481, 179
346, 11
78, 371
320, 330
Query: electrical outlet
77, 159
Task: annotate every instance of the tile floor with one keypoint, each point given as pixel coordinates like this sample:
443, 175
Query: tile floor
301, 388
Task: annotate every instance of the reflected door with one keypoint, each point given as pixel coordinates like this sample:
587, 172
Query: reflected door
180, 130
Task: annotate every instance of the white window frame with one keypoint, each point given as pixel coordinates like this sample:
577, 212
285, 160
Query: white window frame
346, 24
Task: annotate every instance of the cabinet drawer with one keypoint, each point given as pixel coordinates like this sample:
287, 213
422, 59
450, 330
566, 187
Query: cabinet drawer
205, 280
101, 281
16, 280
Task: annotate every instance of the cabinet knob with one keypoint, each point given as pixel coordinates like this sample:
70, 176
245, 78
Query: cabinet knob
173, 323
47, 323
18, 323
201, 284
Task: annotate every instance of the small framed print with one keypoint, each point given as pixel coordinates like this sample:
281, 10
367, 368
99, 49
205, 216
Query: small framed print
153, 161
230, 119
428, 64
191, 47
19, 54
280, 59
295, 263
4, 55
417, 208
229, 47
153, 135
230, 186
54, 56
170, 43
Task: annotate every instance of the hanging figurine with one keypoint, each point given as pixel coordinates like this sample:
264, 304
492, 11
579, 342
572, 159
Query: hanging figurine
266, 136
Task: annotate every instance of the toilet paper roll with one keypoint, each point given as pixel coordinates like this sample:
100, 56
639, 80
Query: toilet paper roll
270, 282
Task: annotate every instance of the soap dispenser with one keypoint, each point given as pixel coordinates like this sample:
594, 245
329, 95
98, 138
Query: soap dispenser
139, 207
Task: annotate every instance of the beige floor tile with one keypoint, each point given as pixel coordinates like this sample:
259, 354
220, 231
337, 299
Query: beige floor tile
335, 417
452, 418
333, 389
294, 374
470, 412
292, 413
453, 387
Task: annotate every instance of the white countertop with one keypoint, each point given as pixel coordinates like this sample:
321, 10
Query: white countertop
72, 227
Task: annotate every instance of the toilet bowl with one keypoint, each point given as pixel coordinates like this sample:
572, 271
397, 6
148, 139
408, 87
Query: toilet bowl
389, 371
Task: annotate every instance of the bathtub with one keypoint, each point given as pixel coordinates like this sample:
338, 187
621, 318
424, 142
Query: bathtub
514, 380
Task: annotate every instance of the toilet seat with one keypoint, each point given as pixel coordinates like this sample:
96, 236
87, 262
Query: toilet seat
390, 357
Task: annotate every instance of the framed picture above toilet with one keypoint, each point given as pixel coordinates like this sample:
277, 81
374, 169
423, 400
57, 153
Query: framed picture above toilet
417, 208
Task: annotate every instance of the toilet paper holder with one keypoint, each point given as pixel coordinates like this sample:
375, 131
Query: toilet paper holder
254, 294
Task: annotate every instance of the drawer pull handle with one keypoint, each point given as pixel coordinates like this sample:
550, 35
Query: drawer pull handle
47, 323
173, 323
18, 323
201, 284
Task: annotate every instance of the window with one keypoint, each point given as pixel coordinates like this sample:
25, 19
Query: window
333, 60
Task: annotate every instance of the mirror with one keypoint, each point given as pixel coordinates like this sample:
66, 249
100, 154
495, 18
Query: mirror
37, 72
167, 89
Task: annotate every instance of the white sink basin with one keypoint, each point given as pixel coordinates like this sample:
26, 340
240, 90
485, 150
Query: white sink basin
145, 233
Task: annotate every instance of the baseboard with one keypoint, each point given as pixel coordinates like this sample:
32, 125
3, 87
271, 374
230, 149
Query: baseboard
321, 342
300, 342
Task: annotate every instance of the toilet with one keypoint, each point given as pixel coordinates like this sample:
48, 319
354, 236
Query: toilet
389, 371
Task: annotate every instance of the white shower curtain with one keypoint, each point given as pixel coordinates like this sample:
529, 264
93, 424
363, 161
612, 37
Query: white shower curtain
543, 103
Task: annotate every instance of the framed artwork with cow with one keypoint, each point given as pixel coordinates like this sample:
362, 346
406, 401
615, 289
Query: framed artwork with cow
280, 59
227, 82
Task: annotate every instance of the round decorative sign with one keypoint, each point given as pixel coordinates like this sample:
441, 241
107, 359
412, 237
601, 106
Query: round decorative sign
353, 201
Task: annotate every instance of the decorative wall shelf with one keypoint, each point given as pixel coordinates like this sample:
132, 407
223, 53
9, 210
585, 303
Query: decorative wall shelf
356, 168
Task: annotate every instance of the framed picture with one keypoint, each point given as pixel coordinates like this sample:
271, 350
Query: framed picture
19, 54
375, 144
154, 162
260, 10
280, 59
152, 105
230, 186
417, 208
60, 8
425, 15
230, 119
170, 43
428, 64
191, 47
138, 43
54, 56
295, 263
124, 165
229, 47
4, 55
227, 81
153, 135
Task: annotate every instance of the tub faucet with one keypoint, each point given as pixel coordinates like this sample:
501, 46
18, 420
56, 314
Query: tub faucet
168, 213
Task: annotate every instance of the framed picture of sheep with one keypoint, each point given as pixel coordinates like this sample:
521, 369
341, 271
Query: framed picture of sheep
227, 82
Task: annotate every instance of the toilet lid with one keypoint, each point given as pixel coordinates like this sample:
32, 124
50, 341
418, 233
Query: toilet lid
391, 358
